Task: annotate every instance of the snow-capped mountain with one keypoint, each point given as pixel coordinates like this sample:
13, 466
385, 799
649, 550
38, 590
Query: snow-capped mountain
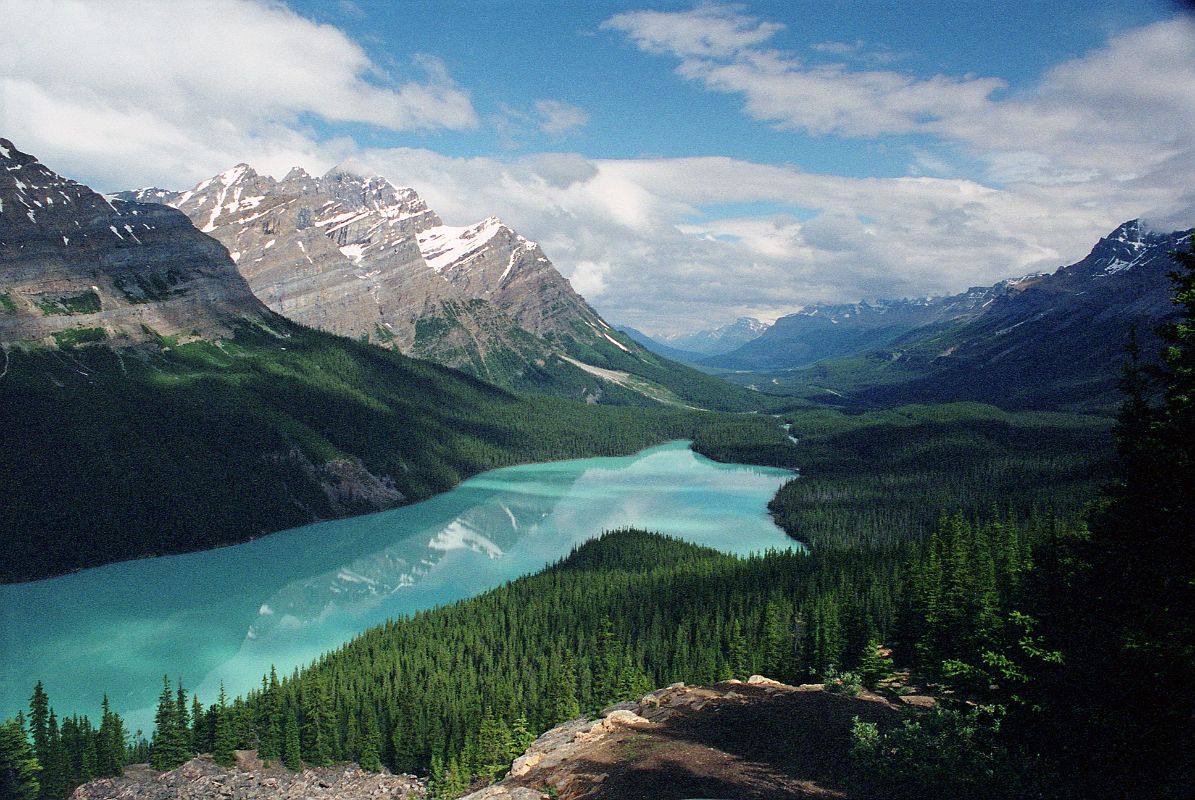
362, 257
1046, 341
823, 331
76, 267
719, 340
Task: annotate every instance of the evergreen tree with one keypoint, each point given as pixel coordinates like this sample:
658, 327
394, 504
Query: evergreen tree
166, 753
521, 737
224, 746
39, 721
182, 725
54, 771
199, 743
317, 730
371, 746
110, 743
290, 751
19, 768
875, 664
737, 655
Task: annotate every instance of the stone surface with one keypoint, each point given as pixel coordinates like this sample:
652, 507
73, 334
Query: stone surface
71, 260
201, 779
756, 739
363, 258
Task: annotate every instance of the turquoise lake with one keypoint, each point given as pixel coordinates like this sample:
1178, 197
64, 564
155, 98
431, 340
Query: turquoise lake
228, 614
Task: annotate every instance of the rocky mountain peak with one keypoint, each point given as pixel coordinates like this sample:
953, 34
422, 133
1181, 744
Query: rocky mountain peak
77, 267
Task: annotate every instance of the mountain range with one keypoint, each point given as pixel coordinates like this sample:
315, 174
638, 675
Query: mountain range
361, 257
1042, 341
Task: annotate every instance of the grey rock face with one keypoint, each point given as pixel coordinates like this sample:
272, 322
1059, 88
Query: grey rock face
364, 258
79, 266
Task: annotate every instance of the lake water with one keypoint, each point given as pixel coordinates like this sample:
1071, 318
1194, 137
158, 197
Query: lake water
228, 614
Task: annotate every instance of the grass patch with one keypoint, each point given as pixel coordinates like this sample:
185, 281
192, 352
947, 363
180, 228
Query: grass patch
6, 303
72, 337
87, 302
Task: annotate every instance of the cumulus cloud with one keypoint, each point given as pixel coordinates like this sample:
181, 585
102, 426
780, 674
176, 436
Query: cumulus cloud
632, 235
558, 117
144, 91
1113, 114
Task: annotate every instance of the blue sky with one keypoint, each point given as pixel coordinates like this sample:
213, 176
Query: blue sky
681, 163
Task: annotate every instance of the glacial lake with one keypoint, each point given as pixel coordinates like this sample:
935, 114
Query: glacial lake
228, 614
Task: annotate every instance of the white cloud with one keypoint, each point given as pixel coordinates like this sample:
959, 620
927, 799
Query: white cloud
1124, 108
708, 31
624, 232
144, 91
558, 117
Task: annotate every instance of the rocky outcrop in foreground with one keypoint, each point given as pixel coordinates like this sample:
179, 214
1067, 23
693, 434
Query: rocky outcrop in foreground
201, 779
758, 740
750, 741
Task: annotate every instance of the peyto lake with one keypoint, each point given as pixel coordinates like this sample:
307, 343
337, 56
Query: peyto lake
228, 614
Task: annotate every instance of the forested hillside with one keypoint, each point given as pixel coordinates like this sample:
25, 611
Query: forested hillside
184, 447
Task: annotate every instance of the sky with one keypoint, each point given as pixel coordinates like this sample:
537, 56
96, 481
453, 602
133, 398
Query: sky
682, 164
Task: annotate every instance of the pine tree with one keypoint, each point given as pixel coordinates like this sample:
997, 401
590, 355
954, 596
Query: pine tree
182, 725
19, 768
199, 742
290, 751
317, 745
371, 746
224, 746
110, 744
875, 664
564, 691
521, 737
54, 771
39, 720
165, 753
737, 656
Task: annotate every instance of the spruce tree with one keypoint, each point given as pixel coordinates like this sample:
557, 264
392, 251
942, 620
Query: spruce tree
165, 753
875, 664
371, 746
224, 746
19, 768
290, 751
39, 720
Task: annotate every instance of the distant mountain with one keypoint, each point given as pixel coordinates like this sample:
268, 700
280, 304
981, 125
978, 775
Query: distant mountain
75, 266
1054, 341
364, 258
833, 331
720, 340
659, 348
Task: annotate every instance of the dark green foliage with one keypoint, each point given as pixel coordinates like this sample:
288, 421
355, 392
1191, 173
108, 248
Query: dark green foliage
72, 337
943, 755
467, 686
882, 478
204, 444
224, 746
291, 747
875, 664
171, 739
7, 303
110, 747
87, 302
19, 768
60, 758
